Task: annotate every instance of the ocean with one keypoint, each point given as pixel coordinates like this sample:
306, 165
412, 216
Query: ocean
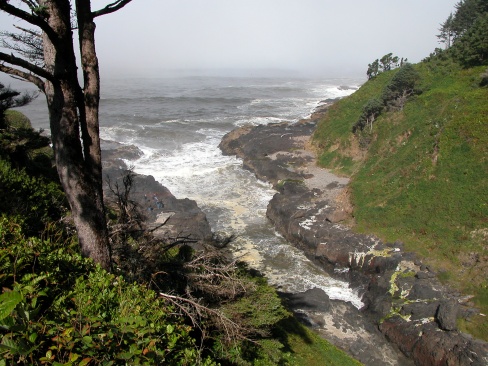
178, 123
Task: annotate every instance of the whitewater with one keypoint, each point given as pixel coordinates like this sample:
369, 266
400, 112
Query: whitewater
178, 122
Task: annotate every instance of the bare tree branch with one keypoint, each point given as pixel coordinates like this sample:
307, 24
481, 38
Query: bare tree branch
29, 31
110, 8
23, 75
27, 44
195, 312
33, 19
214, 274
39, 71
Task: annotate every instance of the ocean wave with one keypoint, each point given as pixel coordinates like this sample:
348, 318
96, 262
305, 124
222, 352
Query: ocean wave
293, 273
255, 121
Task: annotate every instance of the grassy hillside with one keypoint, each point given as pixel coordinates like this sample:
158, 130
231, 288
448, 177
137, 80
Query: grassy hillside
421, 174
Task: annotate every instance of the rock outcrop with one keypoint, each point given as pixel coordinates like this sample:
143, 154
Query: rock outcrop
402, 297
182, 217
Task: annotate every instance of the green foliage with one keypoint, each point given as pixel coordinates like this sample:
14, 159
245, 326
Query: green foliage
10, 98
37, 201
260, 311
467, 32
394, 97
80, 314
435, 149
250, 308
447, 32
24, 147
373, 69
59, 308
307, 348
19, 143
386, 63
401, 87
111, 320
371, 110
472, 48
333, 133
341, 163
467, 11
16, 119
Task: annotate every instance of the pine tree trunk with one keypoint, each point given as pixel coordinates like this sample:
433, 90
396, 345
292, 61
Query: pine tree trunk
78, 160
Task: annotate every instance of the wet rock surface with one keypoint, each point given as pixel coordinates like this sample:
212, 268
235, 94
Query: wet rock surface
405, 303
343, 325
182, 217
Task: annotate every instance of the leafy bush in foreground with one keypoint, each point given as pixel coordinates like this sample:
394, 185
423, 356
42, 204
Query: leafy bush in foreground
58, 308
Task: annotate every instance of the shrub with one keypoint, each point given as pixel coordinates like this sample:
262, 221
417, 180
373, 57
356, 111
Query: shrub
16, 119
26, 148
401, 87
371, 110
37, 201
50, 314
394, 96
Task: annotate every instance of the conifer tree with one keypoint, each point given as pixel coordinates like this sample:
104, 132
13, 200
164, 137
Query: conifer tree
446, 34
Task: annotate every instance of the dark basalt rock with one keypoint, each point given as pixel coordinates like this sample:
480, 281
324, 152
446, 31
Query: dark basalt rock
447, 314
258, 143
344, 326
313, 299
423, 289
182, 216
429, 346
114, 154
420, 310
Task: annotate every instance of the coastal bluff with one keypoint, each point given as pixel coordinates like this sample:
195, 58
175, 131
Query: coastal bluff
402, 296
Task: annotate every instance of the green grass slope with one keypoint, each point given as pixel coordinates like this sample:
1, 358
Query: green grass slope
421, 174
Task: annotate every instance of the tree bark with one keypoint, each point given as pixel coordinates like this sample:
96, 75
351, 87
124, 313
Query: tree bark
71, 110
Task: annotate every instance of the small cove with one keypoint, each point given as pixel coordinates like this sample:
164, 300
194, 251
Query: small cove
179, 126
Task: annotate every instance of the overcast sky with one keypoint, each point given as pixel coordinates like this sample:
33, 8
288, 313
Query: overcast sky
309, 37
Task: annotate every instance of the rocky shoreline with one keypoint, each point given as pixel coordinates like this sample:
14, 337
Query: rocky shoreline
403, 298
182, 217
